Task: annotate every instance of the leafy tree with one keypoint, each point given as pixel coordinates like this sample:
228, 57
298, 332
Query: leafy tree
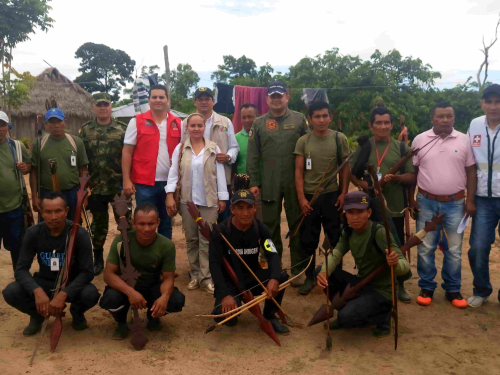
18, 19
182, 81
103, 69
234, 68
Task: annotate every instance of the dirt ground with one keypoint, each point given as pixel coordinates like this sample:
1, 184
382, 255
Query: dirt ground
439, 339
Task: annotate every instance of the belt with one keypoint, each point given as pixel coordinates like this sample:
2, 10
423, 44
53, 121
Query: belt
443, 198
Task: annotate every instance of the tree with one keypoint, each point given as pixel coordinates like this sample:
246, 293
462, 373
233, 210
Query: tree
234, 68
18, 19
485, 64
183, 80
103, 69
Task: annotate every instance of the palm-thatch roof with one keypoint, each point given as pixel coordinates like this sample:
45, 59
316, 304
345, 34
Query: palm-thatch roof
71, 98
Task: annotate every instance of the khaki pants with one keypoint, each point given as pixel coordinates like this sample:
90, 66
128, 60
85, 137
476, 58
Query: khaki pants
197, 245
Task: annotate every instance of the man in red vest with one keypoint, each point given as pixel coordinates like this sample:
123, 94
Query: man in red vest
149, 142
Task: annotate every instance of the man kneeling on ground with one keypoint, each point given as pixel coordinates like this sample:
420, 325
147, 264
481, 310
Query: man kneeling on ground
47, 241
368, 245
153, 256
246, 235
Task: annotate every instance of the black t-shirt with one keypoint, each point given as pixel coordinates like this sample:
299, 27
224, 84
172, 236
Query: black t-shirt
38, 242
247, 244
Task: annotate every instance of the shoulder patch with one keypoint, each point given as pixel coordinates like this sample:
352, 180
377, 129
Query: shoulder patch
251, 133
269, 246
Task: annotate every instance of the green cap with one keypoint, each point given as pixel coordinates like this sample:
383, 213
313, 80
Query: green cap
102, 97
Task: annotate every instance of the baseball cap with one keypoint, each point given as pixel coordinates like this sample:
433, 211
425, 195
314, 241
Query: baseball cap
276, 88
491, 90
357, 200
4, 117
102, 97
54, 112
203, 90
243, 195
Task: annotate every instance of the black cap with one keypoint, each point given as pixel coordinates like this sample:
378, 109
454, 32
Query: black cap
276, 88
356, 199
243, 195
203, 90
491, 90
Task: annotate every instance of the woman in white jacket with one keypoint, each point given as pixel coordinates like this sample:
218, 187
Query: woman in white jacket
202, 181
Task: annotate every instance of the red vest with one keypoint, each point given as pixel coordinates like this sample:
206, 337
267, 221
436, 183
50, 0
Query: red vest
146, 149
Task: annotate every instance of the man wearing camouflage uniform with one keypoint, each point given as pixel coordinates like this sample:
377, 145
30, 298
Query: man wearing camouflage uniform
103, 139
272, 140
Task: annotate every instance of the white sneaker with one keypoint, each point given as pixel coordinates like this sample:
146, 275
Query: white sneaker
194, 284
476, 301
210, 288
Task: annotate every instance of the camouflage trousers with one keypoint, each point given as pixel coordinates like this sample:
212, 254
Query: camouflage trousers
98, 206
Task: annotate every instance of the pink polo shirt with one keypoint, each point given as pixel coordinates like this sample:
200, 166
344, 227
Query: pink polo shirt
441, 165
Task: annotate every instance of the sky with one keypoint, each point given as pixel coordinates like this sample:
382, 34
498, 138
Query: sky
447, 34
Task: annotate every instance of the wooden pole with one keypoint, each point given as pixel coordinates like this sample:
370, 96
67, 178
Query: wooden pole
167, 68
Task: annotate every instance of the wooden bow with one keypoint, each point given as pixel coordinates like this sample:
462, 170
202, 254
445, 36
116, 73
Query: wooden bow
129, 274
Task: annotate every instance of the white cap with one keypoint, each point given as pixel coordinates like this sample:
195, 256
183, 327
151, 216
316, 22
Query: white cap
4, 117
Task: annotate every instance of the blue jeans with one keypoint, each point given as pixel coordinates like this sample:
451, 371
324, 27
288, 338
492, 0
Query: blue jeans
11, 226
452, 263
156, 196
481, 238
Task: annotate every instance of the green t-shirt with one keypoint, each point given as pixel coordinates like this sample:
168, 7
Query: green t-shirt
61, 150
393, 192
149, 261
321, 150
367, 257
10, 188
241, 161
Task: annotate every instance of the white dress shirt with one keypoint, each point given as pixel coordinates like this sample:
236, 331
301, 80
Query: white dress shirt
232, 144
198, 195
163, 160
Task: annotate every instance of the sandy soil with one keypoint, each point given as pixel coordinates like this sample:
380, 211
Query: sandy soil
439, 339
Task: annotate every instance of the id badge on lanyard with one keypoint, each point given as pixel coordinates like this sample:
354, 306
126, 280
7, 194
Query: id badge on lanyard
308, 161
73, 159
54, 262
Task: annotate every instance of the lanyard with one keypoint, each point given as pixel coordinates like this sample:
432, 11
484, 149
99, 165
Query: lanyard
379, 159
491, 154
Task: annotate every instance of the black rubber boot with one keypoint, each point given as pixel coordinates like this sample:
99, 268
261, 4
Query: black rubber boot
279, 328
79, 322
307, 287
98, 262
34, 326
121, 332
154, 324
384, 328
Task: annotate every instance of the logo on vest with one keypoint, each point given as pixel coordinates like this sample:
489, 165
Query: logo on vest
476, 141
148, 123
271, 125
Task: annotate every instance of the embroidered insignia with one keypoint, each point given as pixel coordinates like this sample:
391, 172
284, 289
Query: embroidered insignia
148, 123
476, 140
271, 124
202, 89
363, 200
250, 134
243, 193
269, 246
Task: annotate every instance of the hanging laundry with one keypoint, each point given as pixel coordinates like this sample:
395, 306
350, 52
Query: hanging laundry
311, 95
244, 94
224, 102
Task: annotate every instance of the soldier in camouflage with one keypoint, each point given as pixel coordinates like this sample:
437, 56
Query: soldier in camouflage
103, 139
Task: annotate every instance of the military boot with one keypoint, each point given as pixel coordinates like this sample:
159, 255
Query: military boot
98, 262
34, 326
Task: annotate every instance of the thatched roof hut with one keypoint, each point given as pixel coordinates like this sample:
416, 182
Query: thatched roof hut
71, 98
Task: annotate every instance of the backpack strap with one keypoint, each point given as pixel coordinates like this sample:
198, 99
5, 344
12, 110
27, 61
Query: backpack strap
68, 137
375, 227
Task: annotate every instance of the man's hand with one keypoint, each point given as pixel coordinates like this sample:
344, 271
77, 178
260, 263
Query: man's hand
255, 191
221, 206
223, 158
36, 205
22, 167
340, 202
228, 304
159, 307
136, 300
322, 280
363, 185
415, 208
391, 178
470, 208
392, 258
42, 302
170, 203
305, 207
128, 188
273, 288
58, 304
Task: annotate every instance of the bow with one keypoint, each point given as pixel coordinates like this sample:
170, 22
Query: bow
129, 274
340, 300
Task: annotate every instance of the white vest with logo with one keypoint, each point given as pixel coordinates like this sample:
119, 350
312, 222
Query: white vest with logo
478, 134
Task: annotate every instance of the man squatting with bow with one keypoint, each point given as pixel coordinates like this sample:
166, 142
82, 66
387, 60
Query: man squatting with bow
367, 242
48, 240
246, 235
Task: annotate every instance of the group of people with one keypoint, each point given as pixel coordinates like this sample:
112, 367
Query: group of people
279, 159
